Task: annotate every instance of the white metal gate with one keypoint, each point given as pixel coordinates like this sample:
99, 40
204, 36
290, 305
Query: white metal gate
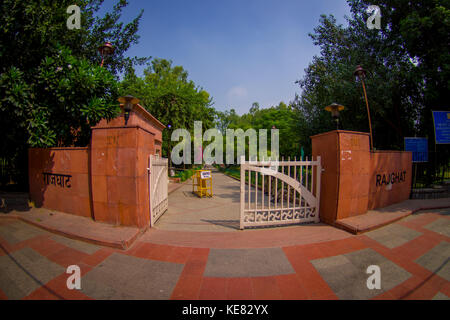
158, 187
279, 192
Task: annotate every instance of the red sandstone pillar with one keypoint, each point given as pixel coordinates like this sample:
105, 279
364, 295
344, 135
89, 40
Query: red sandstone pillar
118, 168
345, 181
349, 182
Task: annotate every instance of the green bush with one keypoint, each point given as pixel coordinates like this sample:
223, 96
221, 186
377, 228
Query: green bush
188, 173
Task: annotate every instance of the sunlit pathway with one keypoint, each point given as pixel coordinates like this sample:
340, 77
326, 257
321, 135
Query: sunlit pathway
187, 212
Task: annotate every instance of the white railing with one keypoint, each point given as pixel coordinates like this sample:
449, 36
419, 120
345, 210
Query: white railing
279, 192
158, 187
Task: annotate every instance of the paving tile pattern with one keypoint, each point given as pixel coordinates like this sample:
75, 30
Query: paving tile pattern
393, 235
441, 226
24, 271
125, 277
412, 255
17, 231
247, 263
437, 260
76, 244
347, 274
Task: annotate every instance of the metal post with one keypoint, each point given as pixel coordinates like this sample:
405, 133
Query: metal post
241, 220
368, 113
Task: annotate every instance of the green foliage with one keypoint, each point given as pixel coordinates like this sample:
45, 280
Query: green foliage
51, 86
187, 174
233, 171
166, 93
283, 117
394, 86
36, 27
64, 98
421, 28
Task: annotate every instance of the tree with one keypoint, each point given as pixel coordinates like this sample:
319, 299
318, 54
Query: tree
283, 117
166, 93
37, 27
392, 83
408, 64
51, 86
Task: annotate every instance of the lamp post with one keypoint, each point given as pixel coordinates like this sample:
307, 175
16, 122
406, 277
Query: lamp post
105, 50
335, 109
128, 104
169, 127
360, 73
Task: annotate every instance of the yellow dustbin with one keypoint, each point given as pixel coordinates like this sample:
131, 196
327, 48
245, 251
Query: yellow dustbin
202, 183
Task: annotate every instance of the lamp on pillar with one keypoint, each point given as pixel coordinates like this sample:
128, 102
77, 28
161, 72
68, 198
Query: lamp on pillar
128, 104
105, 50
360, 74
335, 110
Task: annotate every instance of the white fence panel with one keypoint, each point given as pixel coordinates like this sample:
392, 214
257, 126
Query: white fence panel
279, 192
158, 187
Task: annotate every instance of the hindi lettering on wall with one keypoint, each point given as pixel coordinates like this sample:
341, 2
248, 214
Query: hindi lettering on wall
59, 180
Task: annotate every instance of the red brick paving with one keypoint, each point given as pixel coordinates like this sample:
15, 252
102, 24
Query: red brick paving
213, 289
305, 283
446, 289
3, 296
265, 288
416, 247
46, 246
196, 262
67, 257
179, 254
187, 288
96, 258
290, 287
239, 289
267, 238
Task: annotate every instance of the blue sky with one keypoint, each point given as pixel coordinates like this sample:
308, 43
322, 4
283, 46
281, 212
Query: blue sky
239, 51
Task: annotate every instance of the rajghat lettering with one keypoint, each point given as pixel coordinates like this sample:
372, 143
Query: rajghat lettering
61, 180
391, 178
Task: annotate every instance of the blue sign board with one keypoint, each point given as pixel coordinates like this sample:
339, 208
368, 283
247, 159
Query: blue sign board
442, 126
419, 148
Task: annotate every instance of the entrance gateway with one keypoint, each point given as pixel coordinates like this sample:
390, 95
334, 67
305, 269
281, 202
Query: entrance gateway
108, 180
272, 192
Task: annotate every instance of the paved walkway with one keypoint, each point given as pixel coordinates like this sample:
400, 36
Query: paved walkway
197, 252
413, 256
187, 212
75, 227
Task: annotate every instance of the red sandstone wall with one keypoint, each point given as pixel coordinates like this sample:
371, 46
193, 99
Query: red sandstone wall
326, 146
385, 163
71, 196
354, 162
138, 118
349, 182
120, 156
119, 175
109, 181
